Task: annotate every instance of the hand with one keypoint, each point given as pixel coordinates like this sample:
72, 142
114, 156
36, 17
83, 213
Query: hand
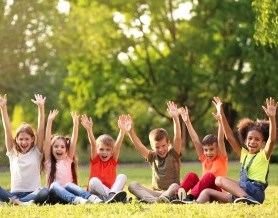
216, 116
270, 108
3, 100
52, 114
121, 122
218, 104
184, 114
75, 117
86, 122
172, 109
128, 123
39, 100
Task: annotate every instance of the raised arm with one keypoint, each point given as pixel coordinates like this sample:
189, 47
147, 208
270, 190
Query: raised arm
119, 141
226, 127
6, 123
174, 113
48, 134
270, 111
220, 137
193, 135
74, 135
87, 123
40, 101
134, 138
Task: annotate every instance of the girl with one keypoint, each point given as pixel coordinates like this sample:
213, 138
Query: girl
60, 166
24, 153
259, 138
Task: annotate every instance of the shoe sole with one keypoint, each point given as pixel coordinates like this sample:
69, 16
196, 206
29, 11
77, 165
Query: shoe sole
118, 197
246, 200
178, 202
181, 194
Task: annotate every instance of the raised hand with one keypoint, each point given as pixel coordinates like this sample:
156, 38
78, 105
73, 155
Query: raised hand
172, 109
217, 103
39, 100
270, 108
121, 122
128, 123
3, 100
86, 122
184, 113
216, 116
75, 117
52, 114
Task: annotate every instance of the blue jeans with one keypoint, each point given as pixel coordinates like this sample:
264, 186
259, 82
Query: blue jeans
67, 194
39, 196
5, 196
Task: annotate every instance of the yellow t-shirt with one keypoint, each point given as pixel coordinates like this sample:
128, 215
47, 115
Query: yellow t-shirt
259, 167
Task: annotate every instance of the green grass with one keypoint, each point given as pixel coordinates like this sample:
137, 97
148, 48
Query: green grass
142, 174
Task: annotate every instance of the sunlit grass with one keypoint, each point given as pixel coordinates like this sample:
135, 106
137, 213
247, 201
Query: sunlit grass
142, 174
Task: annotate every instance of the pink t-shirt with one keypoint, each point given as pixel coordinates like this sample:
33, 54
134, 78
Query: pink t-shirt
63, 171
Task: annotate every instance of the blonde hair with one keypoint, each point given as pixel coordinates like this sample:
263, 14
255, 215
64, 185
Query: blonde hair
105, 139
158, 135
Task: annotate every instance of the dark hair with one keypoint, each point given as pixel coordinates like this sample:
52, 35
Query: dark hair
209, 139
245, 125
24, 128
158, 134
53, 161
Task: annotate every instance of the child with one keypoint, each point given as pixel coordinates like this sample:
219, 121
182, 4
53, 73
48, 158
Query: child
213, 156
259, 142
104, 157
164, 160
60, 166
24, 153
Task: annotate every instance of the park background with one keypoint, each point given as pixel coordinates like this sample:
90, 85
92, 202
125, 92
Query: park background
106, 58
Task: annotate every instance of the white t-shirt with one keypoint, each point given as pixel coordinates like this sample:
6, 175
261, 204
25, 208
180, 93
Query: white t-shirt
25, 170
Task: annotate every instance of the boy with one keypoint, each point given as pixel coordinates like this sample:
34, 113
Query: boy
103, 162
164, 160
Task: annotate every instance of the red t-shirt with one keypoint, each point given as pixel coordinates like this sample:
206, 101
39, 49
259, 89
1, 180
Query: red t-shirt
105, 171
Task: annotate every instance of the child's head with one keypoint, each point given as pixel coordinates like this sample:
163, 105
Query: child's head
24, 138
159, 141
105, 147
253, 134
60, 146
210, 146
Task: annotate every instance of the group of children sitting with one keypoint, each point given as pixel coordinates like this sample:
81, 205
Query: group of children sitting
30, 152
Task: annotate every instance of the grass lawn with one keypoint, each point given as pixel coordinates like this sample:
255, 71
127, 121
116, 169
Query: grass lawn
142, 174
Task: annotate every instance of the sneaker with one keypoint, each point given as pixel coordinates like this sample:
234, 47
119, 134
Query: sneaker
27, 203
95, 199
181, 194
118, 197
79, 200
127, 200
247, 199
177, 201
162, 199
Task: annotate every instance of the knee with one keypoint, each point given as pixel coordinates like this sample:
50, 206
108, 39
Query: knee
54, 185
122, 177
219, 181
133, 185
94, 182
192, 176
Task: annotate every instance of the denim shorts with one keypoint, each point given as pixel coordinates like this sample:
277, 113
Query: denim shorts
255, 189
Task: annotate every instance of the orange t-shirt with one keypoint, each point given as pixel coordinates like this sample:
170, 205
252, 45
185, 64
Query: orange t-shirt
218, 166
105, 171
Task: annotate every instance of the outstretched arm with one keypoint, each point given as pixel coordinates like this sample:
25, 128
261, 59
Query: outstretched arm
48, 133
134, 138
226, 127
40, 101
6, 123
87, 123
174, 112
74, 135
118, 143
220, 137
270, 111
194, 137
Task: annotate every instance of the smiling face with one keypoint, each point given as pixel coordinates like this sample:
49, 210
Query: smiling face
254, 141
160, 147
24, 141
105, 152
59, 149
210, 151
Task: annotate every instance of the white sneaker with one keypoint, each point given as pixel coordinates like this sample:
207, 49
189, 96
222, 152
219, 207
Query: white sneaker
182, 194
79, 200
95, 199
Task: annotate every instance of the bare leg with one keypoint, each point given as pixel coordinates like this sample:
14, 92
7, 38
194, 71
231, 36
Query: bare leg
230, 185
210, 195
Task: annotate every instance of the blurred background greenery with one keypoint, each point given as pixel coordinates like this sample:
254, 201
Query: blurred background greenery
105, 58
